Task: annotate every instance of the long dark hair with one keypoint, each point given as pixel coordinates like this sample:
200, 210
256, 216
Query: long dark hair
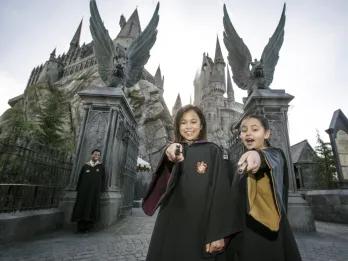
178, 116
264, 122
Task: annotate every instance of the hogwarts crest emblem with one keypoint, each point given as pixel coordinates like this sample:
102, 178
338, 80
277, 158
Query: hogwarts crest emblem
201, 167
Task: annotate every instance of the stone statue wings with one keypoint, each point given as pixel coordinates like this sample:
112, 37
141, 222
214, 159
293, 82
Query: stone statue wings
260, 75
118, 66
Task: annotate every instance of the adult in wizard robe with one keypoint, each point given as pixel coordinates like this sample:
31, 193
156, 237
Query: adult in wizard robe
89, 187
192, 189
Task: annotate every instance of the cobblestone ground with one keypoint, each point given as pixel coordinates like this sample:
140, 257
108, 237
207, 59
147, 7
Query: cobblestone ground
129, 239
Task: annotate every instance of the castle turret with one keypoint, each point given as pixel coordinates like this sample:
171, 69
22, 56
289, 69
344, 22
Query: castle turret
218, 54
197, 89
177, 105
51, 71
122, 22
210, 86
217, 78
230, 91
75, 42
206, 70
129, 30
217, 84
159, 79
53, 55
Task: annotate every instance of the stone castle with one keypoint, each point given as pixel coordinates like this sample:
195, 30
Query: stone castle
79, 58
215, 96
77, 70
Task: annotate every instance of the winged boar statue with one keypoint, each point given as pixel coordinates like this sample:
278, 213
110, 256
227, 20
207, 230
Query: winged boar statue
120, 67
247, 74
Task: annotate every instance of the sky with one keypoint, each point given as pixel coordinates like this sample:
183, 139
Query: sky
313, 63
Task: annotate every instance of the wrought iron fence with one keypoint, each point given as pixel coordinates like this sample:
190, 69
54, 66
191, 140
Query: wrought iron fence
31, 178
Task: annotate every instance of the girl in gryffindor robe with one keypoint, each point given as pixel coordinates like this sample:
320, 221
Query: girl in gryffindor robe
192, 190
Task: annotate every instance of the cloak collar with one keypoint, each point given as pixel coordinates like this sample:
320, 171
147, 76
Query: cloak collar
194, 142
93, 164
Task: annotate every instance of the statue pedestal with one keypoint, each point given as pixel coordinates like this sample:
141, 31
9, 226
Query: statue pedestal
108, 125
273, 104
300, 213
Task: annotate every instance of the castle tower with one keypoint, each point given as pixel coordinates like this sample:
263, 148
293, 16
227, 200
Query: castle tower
129, 30
51, 71
177, 105
123, 21
53, 55
217, 80
230, 91
159, 79
206, 70
213, 97
75, 42
197, 90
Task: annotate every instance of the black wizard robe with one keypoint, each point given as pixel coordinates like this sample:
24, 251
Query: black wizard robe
193, 196
262, 203
89, 186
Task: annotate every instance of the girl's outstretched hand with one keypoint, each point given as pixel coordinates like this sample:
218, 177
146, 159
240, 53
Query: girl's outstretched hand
174, 152
250, 161
215, 246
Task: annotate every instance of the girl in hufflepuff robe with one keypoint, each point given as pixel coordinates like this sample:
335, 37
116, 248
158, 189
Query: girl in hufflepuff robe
192, 189
260, 189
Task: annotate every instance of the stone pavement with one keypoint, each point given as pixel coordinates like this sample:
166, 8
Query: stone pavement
129, 239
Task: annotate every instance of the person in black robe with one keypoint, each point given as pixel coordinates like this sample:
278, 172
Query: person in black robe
192, 189
89, 187
260, 187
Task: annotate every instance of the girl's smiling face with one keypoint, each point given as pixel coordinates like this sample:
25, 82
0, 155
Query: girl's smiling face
253, 134
190, 125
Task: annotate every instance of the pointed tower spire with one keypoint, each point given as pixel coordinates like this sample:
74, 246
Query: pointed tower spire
204, 62
218, 54
159, 78
131, 29
53, 55
230, 91
75, 42
198, 89
177, 105
123, 21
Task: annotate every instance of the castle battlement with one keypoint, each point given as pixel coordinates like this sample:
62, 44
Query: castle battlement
80, 65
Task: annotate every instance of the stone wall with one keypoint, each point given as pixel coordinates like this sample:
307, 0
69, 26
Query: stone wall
329, 205
25, 224
307, 175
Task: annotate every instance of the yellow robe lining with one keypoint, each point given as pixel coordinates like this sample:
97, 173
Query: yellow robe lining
262, 202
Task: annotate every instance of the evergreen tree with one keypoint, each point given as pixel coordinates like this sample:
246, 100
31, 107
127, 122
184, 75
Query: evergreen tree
51, 121
15, 127
327, 168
